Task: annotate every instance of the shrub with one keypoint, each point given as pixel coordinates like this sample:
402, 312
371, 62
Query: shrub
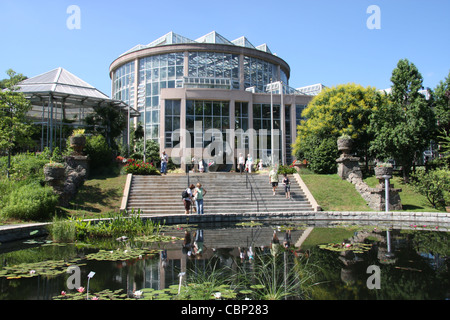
100, 154
140, 168
286, 169
30, 202
434, 185
322, 158
25, 166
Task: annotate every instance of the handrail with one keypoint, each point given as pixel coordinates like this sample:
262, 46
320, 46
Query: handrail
252, 192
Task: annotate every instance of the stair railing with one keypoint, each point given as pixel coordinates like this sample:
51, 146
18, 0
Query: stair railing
252, 191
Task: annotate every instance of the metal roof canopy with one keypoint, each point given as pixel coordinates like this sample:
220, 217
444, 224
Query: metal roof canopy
58, 94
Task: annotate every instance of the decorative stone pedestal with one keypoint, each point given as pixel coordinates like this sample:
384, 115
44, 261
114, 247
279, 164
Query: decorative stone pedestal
348, 164
82, 161
348, 169
378, 198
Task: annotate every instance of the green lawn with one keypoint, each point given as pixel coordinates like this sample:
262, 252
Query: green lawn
102, 193
334, 194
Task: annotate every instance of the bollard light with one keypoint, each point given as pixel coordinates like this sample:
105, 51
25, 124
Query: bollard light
90, 275
386, 192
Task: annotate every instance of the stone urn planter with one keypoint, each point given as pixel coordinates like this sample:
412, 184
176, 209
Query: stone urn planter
383, 170
297, 164
54, 174
345, 144
78, 141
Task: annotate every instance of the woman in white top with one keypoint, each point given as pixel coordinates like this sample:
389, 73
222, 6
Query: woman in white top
249, 163
241, 162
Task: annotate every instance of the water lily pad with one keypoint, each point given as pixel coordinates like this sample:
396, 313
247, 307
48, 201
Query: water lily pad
342, 247
49, 268
120, 254
249, 224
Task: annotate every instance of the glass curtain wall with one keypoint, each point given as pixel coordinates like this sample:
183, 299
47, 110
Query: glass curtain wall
172, 120
258, 73
298, 113
212, 114
123, 83
261, 120
155, 73
214, 65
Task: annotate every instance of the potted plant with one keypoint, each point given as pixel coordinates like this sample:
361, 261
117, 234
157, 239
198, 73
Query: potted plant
54, 171
78, 140
297, 164
383, 169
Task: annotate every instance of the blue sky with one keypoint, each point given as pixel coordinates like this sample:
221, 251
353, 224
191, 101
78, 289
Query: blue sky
323, 41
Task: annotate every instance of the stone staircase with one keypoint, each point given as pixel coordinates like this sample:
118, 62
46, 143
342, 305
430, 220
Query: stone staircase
226, 193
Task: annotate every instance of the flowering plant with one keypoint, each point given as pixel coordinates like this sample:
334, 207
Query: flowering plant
298, 162
139, 167
384, 165
121, 159
52, 164
78, 132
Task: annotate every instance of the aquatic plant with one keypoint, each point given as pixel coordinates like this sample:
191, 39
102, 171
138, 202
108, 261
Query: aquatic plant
49, 268
106, 294
342, 247
121, 254
249, 224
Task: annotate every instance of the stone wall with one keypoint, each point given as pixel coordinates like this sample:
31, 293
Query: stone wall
349, 169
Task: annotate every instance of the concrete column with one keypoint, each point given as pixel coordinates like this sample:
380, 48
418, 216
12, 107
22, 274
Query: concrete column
231, 131
183, 131
186, 64
241, 72
162, 124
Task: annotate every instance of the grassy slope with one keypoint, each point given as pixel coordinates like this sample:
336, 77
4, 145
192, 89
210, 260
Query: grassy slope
335, 194
101, 194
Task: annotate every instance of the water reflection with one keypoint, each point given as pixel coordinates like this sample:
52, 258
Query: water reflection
414, 264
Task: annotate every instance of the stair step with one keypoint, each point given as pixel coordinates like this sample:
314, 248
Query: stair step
226, 192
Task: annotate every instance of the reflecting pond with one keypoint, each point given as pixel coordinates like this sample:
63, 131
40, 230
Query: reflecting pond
290, 260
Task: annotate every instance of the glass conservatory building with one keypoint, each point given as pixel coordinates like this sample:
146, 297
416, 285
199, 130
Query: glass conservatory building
211, 98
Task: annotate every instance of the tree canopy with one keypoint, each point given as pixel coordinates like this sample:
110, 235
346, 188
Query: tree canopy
344, 109
405, 125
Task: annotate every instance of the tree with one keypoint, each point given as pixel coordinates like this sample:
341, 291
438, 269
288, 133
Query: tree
15, 130
404, 126
441, 97
13, 79
344, 109
107, 121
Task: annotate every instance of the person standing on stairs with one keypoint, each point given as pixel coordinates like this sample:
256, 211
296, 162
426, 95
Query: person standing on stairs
187, 198
273, 178
199, 193
287, 186
249, 163
164, 161
241, 162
